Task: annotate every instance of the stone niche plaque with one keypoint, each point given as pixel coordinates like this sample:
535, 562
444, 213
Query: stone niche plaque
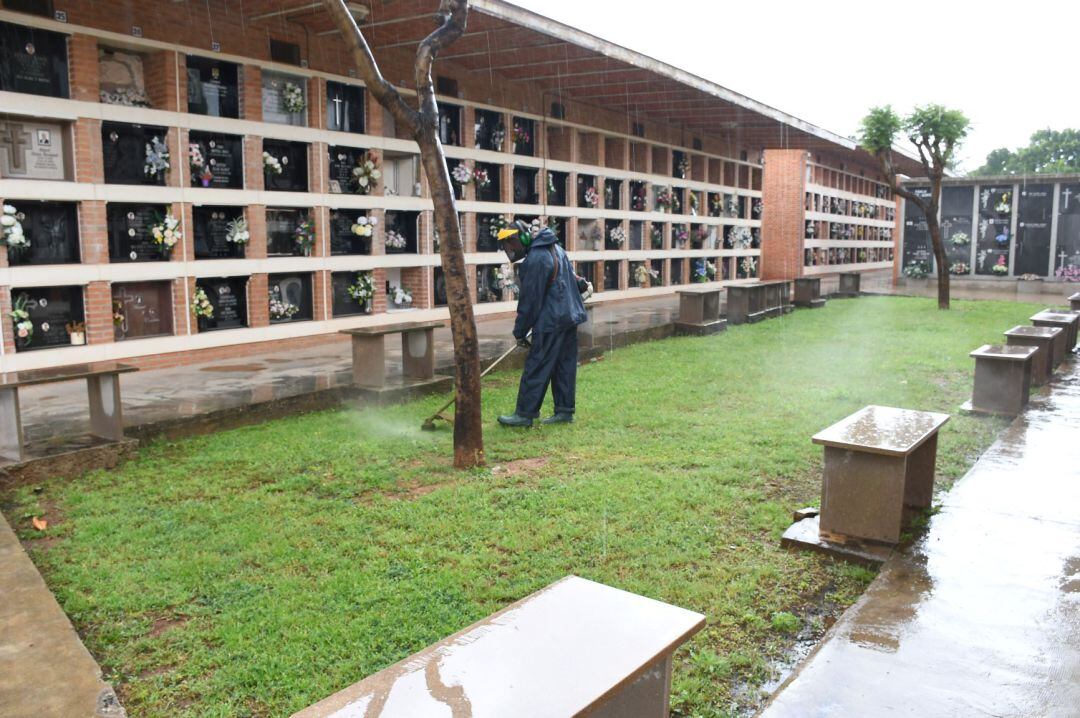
344, 107
126, 157
212, 87
281, 224
33, 149
222, 160
342, 238
144, 308
1068, 228
293, 291
129, 232
340, 165
343, 304
53, 231
276, 89
1034, 216
293, 159
212, 228
51, 309
994, 230
917, 233
228, 295
33, 61
122, 79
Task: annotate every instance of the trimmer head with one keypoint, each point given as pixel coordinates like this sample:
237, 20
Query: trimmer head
430, 425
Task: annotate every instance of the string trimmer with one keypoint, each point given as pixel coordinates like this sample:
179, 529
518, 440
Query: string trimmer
429, 423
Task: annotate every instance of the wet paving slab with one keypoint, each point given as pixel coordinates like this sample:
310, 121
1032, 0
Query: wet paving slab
981, 616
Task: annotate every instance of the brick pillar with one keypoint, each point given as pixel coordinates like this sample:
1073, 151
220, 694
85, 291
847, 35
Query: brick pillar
177, 176
88, 155
468, 126
783, 223
378, 300
258, 301
322, 305
97, 305
8, 328
417, 280
83, 74
185, 250
316, 102
184, 322
373, 115
256, 218
506, 183
318, 167
251, 95
3, 255
468, 232
93, 233
425, 238
321, 217
162, 73
253, 163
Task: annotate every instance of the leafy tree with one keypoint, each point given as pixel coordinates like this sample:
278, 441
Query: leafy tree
1049, 151
936, 133
422, 122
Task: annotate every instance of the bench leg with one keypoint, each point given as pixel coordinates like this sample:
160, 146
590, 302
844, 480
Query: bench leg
919, 475
11, 441
862, 496
106, 417
646, 697
418, 354
369, 361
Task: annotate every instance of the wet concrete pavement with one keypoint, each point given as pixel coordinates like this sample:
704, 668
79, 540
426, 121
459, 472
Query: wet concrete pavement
981, 617
165, 395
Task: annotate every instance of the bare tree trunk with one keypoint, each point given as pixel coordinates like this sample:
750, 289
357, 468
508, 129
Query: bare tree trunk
942, 263
422, 123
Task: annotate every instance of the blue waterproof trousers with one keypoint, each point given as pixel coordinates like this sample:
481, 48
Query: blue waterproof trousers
552, 359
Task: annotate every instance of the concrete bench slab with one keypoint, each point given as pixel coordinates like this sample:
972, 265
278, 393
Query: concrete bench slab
369, 352
1067, 321
1002, 379
749, 303
1042, 363
572, 648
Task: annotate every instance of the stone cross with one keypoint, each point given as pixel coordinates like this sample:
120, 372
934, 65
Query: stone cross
16, 140
337, 111
1062, 255
1066, 193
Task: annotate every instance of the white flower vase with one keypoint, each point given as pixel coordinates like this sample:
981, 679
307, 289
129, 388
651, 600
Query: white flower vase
77, 338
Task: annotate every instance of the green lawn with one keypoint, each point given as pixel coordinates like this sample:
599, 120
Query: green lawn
256, 571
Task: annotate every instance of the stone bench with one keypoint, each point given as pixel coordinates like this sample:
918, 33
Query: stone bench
749, 303
103, 390
1067, 321
1074, 302
369, 352
850, 284
808, 293
699, 311
1002, 379
572, 648
1043, 338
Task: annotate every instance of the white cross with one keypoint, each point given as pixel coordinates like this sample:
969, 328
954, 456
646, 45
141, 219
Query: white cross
337, 110
1067, 192
1062, 257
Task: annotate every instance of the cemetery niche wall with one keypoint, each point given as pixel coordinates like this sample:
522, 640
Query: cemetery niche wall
130, 228
34, 149
216, 160
47, 317
212, 87
228, 298
344, 107
219, 232
33, 61
142, 309
134, 154
52, 229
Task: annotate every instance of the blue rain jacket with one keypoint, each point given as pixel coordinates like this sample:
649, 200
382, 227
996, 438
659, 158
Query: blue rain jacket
547, 306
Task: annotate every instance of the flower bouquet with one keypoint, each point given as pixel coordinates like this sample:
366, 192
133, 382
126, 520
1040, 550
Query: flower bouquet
199, 166
166, 233
272, 165
497, 223
365, 174
505, 281
960, 239
1001, 268
292, 97
592, 197
917, 270
1068, 273
617, 236
157, 158
236, 231
462, 174
20, 315
76, 332
693, 203
11, 229
304, 234
741, 237
757, 208
521, 137
482, 178
748, 266
364, 226
637, 200
363, 289
665, 200
1004, 205
643, 275
280, 308
679, 235
959, 268
395, 240
400, 296
200, 304
551, 185
684, 167
657, 235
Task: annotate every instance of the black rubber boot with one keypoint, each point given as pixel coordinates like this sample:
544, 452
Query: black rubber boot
515, 420
561, 417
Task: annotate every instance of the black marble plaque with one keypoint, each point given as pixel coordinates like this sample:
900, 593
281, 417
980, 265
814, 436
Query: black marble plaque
33, 61
587, 270
1034, 216
1068, 229
342, 238
212, 87
917, 248
210, 232
449, 124
489, 130
525, 186
295, 291
523, 135
228, 295
556, 188
994, 227
611, 275
485, 240
281, 227
343, 305
676, 271
293, 158
124, 153
405, 224
222, 158
145, 308
53, 231
50, 308
342, 160
129, 232
956, 223
612, 194
439, 284
490, 193
344, 107
275, 88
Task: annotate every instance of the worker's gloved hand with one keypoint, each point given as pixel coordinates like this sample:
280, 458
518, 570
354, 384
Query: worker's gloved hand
524, 343
588, 291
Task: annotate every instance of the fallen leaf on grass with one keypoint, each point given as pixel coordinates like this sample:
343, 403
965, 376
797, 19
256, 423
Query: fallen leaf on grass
39, 523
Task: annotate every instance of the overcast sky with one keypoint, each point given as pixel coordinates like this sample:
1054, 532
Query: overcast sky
1011, 67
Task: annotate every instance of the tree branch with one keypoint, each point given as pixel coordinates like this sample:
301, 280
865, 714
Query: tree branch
890, 175
384, 92
451, 19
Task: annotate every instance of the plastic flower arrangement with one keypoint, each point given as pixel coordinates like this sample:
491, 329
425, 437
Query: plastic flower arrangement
757, 208
732, 206
200, 304
521, 136
11, 228
657, 234
364, 226
535, 225
1001, 268
498, 136
550, 184
395, 240
959, 239
958, 268
679, 235
917, 270
157, 157
693, 203
363, 289
716, 205
644, 275
304, 234
592, 197
118, 313
684, 167
166, 233
195, 158
741, 237
748, 266
1068, 273
400, 296
237, 231
665, 199
617, 235
24, 328
637, 199
279, 308
462, 174
366, 174
271, 164
504, 279
292, 96
482, 178
498, 223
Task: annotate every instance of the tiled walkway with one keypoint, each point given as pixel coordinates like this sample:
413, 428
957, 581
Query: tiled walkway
982, 616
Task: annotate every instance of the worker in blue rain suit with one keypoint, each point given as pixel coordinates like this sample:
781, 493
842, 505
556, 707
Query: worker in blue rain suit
551, 306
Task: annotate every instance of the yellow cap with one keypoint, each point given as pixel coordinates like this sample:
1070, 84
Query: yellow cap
507, 233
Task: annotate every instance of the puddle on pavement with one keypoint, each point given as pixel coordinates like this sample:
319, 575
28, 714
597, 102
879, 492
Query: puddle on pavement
234, 367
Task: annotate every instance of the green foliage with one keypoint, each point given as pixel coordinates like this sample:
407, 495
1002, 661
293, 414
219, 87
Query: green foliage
1048, 152
878, 129
784, 622
255, 571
